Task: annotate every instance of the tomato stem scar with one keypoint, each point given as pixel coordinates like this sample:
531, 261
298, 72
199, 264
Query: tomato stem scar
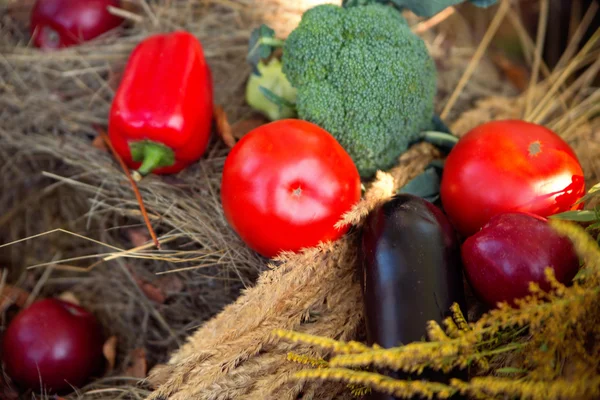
535, 148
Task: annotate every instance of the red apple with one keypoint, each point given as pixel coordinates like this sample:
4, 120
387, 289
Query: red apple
64, 23
53, 343
510, 251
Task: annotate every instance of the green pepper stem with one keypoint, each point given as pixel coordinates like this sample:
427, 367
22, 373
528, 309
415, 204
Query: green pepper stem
152, 156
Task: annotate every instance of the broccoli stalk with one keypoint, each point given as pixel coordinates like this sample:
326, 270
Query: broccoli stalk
267, 89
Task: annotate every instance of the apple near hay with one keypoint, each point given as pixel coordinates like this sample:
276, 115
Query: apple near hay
53, 345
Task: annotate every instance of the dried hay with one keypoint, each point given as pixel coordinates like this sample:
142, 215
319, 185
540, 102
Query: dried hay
54, 178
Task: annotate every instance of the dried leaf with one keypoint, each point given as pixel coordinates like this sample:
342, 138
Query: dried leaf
516, 73
114, 78
138, 366
20, 11
138, 237
12, 295
153, 293
69, 297
110, 353
241, 128
170, 284
131, 6
223, 127
98, 143
150, 290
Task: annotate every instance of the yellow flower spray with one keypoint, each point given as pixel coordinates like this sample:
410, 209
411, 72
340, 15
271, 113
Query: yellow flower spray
547, 347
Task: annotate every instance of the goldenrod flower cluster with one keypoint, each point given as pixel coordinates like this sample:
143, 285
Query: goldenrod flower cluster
547, 347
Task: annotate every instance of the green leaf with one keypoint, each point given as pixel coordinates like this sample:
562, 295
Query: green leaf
483, 3
425, 185
428, 8
581, 275
425, 8
356, 3
594, 226
422, 8
593, 192
276, 99
443, 141
439, 164
511, 370
260, 46
578, 216
439, 125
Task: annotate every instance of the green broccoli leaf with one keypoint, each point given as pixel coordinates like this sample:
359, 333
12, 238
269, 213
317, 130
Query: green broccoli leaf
483, 3
425, 185
439, 125
422, 8
276, 99
261, 45
428, 8
442, 140
425, 8
355, 3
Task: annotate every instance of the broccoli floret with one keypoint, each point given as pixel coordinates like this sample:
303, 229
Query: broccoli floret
361, 74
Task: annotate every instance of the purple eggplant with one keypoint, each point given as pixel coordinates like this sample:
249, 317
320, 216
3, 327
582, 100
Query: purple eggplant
411, 272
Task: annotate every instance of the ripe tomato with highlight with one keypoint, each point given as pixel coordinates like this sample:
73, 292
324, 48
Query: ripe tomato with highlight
505, 166
285, 186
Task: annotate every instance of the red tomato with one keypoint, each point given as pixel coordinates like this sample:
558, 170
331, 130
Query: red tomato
504, 166
53, 343
286, 184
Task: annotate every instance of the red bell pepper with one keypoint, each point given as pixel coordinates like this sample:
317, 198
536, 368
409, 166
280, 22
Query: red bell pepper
161, 116
64, 23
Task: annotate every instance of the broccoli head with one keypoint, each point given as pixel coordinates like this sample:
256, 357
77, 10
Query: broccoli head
361, 74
